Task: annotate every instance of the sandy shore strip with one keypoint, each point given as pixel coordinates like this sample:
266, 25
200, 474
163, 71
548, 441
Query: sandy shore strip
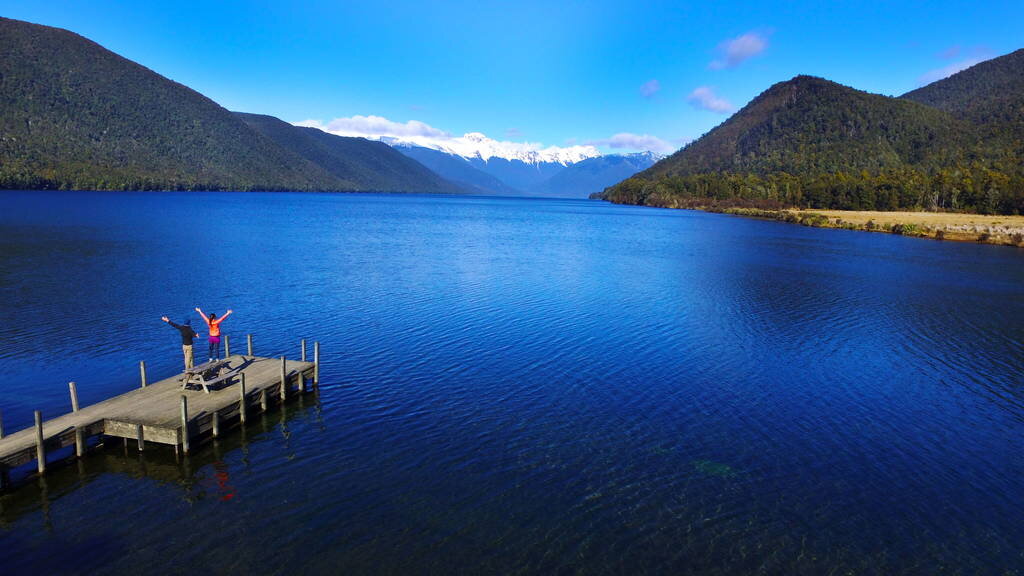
1003, 230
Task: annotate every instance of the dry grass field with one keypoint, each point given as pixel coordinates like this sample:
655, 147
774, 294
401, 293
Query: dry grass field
934, 220
1004, 230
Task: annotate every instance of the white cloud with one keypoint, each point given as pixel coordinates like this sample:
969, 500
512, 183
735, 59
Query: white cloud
628, 141
704, 98
376, 127
947, 70
735, 51
473, 144
650, 88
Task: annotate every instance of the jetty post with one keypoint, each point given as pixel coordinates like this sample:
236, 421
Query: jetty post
184, 423
316, 365
74, 396
303, 349
40, 448
138, 437
241, 399
142, 372
248, 339
284, 379
227, 346
79, 442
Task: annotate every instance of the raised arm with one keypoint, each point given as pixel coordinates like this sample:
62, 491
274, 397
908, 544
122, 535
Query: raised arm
207, 320
226, 314
168, 320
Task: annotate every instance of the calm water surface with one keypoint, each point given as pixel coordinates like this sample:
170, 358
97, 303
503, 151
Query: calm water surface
522, 386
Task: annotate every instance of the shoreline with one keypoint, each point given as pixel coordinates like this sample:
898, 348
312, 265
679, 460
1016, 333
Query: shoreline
957, 227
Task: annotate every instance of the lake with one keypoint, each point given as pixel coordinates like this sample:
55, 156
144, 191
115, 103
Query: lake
521, 385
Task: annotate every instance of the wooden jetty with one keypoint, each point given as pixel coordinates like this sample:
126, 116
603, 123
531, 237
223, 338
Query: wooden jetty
164, 412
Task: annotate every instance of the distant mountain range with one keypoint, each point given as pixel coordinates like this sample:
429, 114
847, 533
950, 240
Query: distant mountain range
77, 116
530, 176
956, 144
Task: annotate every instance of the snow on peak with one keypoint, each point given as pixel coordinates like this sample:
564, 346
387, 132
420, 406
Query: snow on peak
470, 145
477, 145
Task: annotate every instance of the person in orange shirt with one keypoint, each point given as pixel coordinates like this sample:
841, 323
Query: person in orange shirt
213, 323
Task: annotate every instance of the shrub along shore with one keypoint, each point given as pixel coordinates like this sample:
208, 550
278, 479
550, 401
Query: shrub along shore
986, 229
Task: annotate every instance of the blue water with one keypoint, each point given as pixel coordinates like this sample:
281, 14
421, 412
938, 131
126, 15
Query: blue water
522, 386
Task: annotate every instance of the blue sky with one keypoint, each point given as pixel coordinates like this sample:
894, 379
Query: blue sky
544, 72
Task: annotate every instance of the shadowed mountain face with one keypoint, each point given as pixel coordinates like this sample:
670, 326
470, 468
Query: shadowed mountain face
593, 175
357, 163
75, 115
458, 170
812, 143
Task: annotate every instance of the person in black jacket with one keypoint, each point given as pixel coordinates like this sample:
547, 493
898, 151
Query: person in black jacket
187, 334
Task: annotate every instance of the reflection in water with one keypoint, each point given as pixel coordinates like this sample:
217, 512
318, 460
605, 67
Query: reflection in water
205, 471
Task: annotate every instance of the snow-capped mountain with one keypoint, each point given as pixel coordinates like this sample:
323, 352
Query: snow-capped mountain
487, 166
583, 178
475, 145
534, 176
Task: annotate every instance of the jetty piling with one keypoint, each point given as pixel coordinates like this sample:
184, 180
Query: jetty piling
227, 346
74, 396
303, 346
316, 365
79, 442
142, 372
184, 424
284, 378
248, 339
40, 447
242, 408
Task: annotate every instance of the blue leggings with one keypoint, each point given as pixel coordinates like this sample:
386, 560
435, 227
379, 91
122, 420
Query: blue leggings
215, 347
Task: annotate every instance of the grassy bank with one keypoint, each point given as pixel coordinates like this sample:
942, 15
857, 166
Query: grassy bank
1002, 230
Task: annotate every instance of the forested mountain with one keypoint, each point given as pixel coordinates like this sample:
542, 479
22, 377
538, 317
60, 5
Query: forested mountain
809, 142
357, 163
74, 115
989, 95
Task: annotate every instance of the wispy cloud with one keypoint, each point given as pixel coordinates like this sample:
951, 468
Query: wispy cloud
735, 51
513, 133
947, 70
628, 141
950, 53
650, 88
704, 98
376, 127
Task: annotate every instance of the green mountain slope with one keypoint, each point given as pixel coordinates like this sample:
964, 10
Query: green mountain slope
74, 115
989, 95
357, 163
809, 142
